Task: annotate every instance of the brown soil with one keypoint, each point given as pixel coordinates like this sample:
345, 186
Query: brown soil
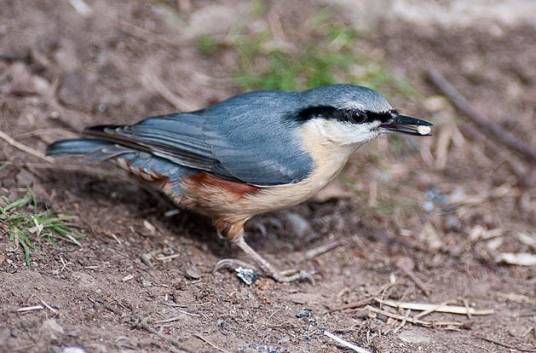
61, 71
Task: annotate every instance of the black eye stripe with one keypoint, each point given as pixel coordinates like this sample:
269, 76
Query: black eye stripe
355, 116
382, 117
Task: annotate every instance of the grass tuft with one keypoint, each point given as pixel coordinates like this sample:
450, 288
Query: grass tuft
329, 55
25, 225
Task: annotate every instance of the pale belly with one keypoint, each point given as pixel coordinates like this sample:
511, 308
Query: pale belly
218, 202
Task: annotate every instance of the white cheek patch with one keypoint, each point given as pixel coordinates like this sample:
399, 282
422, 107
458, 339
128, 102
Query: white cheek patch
344, 133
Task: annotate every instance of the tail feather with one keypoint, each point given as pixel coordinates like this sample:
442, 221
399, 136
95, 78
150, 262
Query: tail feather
140, 163
93, 148
80, 147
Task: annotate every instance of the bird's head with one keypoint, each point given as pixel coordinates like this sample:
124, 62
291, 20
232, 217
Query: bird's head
349, 115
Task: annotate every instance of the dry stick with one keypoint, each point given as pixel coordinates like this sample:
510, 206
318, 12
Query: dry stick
322, 249
442, 309
176, 318
48, 306
30, 308
417, 281
169, 257
466, 305
398, 317
432, 309
413, 320
24, 148
403, 323
345, 343
210, 343
490, 127
517, 168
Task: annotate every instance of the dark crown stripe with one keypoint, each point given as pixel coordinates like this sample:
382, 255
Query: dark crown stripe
355, 116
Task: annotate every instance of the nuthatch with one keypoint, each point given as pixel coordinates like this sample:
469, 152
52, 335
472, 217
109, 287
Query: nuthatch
249, 154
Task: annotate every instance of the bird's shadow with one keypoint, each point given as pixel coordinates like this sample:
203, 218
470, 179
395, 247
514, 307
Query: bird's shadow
142, 202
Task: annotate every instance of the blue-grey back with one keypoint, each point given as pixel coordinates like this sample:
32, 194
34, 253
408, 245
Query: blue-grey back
247, 138
254, 139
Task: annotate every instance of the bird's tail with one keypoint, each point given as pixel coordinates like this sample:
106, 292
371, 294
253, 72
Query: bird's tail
96, 148
139, 163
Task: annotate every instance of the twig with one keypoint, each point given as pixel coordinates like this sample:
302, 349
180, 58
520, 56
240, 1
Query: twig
416, 280
466, 305
169, 257
365, 301
398, 317
30, 308
24, 148
48, 306
505, 345
115, 238
434, 309
515, 165
320, 250
176, 318
345, 343
490, 127
403, 323
451, 309
68, 238
413, 320
210, 343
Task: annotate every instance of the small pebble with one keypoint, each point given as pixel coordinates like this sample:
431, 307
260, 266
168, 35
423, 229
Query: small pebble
73, 350
247, 275
415, 336
192, 273
146, 259
303, 313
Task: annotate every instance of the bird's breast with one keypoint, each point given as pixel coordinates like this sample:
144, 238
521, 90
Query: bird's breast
329, 159
239, 201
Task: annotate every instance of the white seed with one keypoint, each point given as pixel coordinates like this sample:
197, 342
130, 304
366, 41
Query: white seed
424, 130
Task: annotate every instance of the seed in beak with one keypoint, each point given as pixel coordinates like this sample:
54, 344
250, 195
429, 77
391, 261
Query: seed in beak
424, 130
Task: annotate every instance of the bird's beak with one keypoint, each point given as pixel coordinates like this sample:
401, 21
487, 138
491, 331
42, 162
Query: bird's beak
408, 125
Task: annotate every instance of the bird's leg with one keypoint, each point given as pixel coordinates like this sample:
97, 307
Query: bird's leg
235, 234
266, 266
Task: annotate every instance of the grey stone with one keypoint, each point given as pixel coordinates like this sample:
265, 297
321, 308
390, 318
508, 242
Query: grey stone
415, 337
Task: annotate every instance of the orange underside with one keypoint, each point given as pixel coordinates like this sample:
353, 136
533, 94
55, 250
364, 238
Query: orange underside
237, 188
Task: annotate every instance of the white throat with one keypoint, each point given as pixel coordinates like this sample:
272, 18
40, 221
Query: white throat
342, 133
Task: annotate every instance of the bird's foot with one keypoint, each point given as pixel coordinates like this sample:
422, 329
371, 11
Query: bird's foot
278, 276
232, 265
291, 276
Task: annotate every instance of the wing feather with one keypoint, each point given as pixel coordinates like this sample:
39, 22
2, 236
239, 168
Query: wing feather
244, 139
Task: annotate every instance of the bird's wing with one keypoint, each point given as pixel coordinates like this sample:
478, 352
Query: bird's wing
239, 148
176, 137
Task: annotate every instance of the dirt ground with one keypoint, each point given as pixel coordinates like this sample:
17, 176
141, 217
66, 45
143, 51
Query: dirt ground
417, 220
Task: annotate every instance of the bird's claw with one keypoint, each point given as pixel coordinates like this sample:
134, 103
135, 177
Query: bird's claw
291, 276
232, 265
281, 277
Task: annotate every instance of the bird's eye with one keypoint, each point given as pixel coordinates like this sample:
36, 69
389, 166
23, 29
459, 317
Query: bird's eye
378, 116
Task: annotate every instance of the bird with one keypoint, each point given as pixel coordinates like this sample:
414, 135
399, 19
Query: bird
249, 154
